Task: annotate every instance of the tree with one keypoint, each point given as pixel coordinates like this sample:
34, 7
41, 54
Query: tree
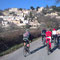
32, 8
53, 6
25, 18
37, 8
1, 13
28, 26
13, 26
13, 13
47, 6
44, 11
51, 23
7, 9
20, 9
30, 14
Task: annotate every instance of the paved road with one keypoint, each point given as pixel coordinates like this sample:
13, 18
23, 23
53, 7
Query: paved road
38, 53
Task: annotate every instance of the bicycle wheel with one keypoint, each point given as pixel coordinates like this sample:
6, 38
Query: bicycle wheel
28, 50
24, 51
54, 43
48, 48
59, 43
44, 40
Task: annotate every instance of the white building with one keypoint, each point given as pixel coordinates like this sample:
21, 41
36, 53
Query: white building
26, 22
25, 11
40, 9
58, 17
13, 10
19, 13
5, 24
1, 16
52, 14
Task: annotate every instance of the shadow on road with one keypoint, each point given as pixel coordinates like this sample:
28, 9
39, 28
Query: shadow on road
54, 49
37, 49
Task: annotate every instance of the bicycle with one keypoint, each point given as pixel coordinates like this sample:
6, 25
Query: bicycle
26, 50
44, 40
59, 43
54, 42
48, 49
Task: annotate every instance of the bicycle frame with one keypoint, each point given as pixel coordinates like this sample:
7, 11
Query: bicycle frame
26, 50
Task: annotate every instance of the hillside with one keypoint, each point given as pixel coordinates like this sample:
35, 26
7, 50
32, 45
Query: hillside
41, 15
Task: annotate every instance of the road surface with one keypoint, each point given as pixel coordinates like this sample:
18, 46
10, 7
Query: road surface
38, 51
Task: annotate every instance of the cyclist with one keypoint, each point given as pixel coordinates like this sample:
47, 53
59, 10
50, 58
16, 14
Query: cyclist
48, 36
26, 36
58, 36
43, 33
54, 35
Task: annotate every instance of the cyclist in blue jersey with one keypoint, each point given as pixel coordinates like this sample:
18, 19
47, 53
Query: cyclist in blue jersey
43, 33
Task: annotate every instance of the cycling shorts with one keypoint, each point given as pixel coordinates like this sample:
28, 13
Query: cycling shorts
26, 41
49, 37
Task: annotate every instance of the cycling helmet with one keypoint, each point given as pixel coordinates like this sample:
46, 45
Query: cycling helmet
54, 29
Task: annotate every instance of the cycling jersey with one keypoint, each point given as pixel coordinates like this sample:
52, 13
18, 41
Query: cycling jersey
26, 36
48, 33
43, 33
48, 36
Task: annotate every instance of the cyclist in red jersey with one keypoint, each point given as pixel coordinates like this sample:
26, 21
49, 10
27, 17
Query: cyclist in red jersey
48, 36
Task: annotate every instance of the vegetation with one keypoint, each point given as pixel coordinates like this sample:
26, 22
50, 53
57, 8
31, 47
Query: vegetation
1, 13
20, 9
14, 39
56, 8
37, 8
32, 8
14, 48
11, 49
52, 23
48, 21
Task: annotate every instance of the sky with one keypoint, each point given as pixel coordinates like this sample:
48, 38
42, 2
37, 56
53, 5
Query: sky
26, 4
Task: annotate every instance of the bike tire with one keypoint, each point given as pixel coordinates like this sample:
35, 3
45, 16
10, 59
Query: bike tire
48, 48
24, 52
54, 43
44, 40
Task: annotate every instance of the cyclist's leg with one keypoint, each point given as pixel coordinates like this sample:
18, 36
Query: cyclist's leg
57, 40
50, 45
24, 50
28, 44
24, 43
46, 40
42, 37
50, 42
52, 37
49, 38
